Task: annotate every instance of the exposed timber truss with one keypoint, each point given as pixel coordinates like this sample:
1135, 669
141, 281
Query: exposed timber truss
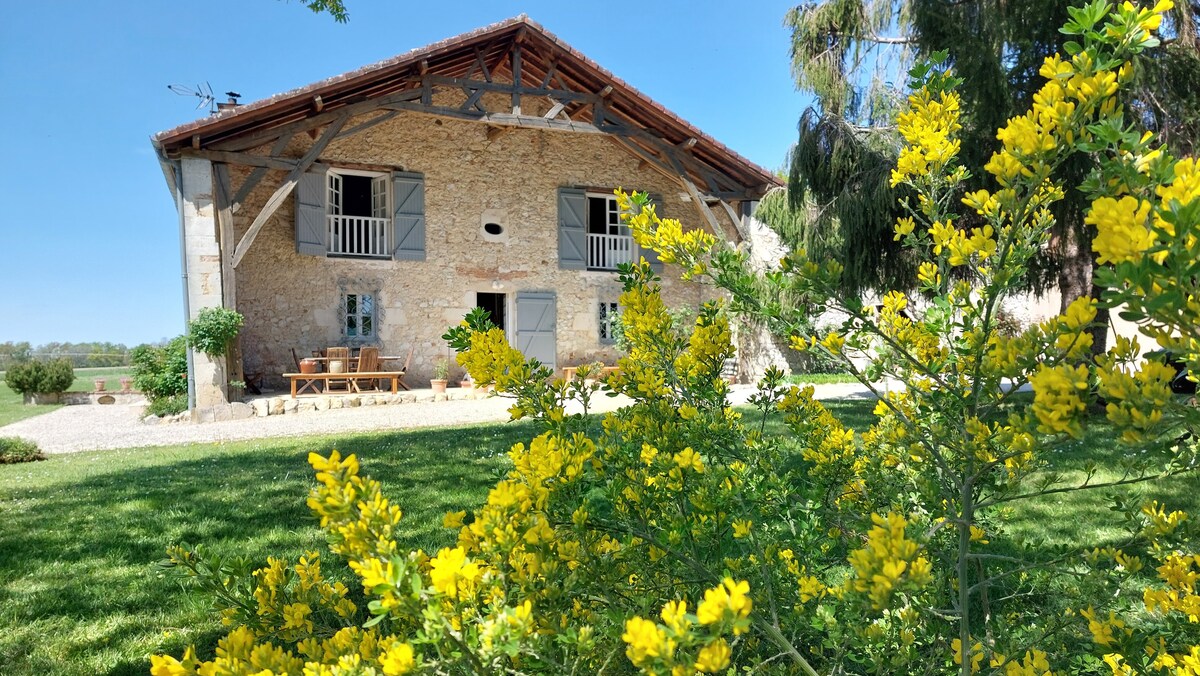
516, 78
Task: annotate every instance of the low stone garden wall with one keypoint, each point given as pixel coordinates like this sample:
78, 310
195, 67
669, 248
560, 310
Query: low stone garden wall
284, 404
124, 397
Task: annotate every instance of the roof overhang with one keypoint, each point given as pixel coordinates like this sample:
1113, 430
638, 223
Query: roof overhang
516, 57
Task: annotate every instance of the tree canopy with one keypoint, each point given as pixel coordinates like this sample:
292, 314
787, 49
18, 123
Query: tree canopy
852, 55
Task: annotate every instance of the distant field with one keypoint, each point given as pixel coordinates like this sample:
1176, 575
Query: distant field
13, 408
84, 378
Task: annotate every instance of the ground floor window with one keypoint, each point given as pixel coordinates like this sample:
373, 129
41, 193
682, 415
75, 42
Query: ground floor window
359, 319
609, 315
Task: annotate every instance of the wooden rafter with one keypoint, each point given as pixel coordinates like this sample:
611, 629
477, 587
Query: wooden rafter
255, 139
247, 159
289, 183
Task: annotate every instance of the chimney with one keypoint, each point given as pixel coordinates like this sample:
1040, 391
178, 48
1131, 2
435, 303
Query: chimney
230, 104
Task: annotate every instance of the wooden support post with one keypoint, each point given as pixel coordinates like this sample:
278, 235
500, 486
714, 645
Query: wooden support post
225, 234
516, 74
318, 104
734, 218
284, 190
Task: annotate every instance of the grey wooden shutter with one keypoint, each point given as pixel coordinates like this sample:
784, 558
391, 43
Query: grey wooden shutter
572, 229
536, 319
408, 191
649, 254
310, 214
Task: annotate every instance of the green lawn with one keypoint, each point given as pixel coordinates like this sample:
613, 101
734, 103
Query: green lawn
80, 534
13, 408
820, 378
85, 378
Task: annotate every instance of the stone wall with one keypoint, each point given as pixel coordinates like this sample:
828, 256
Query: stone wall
291, 300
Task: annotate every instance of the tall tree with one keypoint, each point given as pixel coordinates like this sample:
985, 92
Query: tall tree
852, 53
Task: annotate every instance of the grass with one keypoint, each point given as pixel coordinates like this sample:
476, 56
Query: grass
12, 404
820, 378
13, 408
85, 377
81, 533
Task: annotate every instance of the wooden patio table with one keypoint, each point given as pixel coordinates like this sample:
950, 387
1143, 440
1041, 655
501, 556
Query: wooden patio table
309, 381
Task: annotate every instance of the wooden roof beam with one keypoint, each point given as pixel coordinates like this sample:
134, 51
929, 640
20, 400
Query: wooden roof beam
286, 188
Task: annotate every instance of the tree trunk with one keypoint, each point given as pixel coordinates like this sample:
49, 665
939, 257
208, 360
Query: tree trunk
1075, 281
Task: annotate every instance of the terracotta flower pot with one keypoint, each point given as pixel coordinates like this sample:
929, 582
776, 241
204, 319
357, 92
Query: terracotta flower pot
100, 384
308, 366
438, 385
126, 384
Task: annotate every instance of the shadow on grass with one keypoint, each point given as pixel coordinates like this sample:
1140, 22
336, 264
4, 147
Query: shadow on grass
78, 590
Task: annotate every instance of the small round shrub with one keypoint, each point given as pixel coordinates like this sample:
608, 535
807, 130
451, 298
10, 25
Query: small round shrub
40, 377
167, 405
14, 450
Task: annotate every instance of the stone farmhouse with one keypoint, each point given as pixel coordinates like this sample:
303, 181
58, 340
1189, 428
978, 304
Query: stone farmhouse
379, 206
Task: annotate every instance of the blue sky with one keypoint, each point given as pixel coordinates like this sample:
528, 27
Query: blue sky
90, 248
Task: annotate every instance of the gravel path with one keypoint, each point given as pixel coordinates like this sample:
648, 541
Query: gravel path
72, 429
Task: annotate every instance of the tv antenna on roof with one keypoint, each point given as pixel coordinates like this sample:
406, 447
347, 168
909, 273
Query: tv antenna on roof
202, 92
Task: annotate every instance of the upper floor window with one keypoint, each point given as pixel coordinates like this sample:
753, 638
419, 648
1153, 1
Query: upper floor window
608, 240
358, 213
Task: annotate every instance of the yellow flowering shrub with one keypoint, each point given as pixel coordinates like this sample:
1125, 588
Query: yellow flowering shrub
678, 535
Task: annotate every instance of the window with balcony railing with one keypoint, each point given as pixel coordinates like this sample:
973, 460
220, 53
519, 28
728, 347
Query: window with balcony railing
609, 243
358, 215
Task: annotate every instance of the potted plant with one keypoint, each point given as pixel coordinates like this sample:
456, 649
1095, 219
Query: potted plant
466, 383
440, 370
100, 384
126, 384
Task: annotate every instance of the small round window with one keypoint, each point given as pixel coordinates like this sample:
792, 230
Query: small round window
493, 229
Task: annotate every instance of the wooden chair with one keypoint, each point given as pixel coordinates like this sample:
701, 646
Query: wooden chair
407, 362
341, 354
368, 362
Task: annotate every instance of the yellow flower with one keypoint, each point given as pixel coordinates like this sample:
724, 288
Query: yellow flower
295, 616
728, 600
452, 573
713, 657
927, 273
689, 459
904, 227
1122, 231
398, 660
674, 614
453, 520
741, 528
646, 641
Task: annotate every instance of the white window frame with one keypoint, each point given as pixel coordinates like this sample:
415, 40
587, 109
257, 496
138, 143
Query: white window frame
358, 315
607, 314
612, 212
381, 208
